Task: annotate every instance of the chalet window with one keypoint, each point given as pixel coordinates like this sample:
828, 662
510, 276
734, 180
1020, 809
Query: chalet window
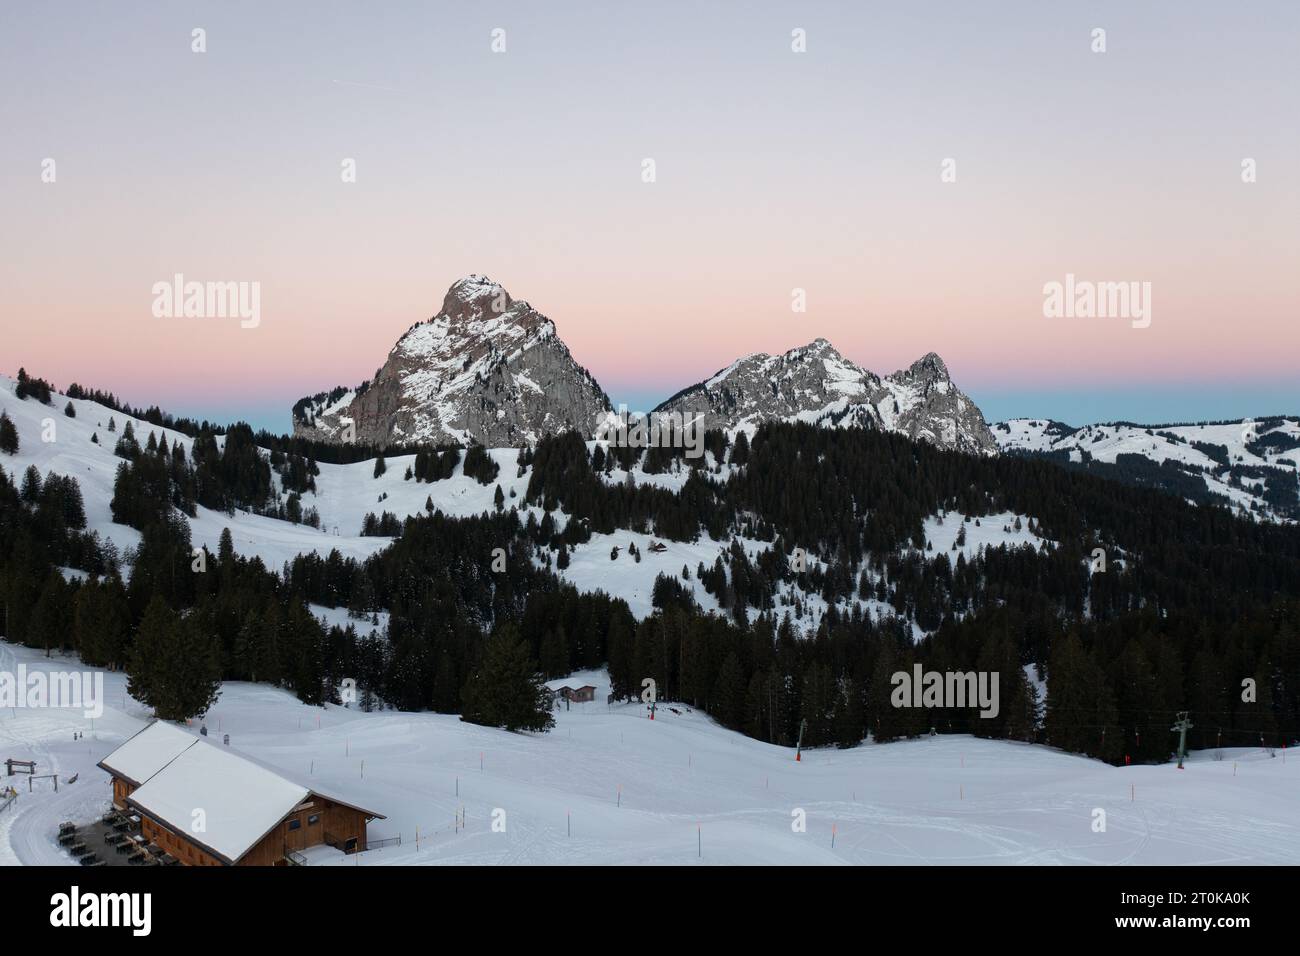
295, 824
313, 819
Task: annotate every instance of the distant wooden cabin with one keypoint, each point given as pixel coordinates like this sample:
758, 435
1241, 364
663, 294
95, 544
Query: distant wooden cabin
577, 695
207, 806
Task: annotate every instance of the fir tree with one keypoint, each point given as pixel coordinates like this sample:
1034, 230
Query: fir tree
32, 485
226, 548
506, 690
174, 666
8, 435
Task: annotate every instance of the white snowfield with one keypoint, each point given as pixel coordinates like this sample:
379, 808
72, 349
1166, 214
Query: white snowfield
609, 786
993, 531
1106, 442
592, 569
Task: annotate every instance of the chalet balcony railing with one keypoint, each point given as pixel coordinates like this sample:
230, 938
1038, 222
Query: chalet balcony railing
349, 844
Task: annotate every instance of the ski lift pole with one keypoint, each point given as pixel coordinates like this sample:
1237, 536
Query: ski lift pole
1182, 726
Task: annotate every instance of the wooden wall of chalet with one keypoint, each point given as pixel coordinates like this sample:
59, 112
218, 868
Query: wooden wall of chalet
179, 847
339, 821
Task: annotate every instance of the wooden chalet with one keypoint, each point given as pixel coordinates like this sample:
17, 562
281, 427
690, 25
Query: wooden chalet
207, 806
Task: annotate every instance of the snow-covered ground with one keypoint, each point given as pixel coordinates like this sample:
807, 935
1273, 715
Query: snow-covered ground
993, 531
344, 493
373, 624
592, 569
681, 790
1105, 443
69, 451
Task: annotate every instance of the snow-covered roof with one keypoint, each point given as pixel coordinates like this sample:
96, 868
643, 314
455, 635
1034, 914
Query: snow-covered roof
233, 800
144, 754
178, 774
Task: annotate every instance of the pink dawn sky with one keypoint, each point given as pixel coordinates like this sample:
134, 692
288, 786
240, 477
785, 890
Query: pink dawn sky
775, 171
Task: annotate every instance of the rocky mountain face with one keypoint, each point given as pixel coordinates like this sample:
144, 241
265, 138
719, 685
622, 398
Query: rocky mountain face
487, 368
491, 369
816, 384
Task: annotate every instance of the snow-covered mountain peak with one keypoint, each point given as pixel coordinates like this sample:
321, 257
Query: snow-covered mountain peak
474, 296
487, 368
929, 367
817, 384
819, 346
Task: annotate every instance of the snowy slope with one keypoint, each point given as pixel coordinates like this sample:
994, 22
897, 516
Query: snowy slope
1242, 444
682, 790
72, 453
344, 493
591, 568
993, 531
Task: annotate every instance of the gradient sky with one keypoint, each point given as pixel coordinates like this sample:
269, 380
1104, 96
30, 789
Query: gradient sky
775, 170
